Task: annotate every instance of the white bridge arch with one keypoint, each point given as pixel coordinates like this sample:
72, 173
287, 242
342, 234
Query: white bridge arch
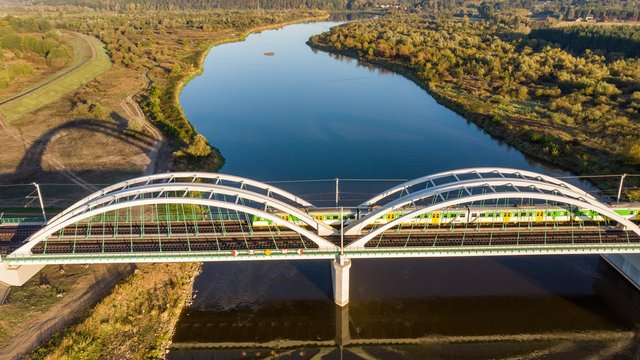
145, 191
190, 177
501, 184
474, 173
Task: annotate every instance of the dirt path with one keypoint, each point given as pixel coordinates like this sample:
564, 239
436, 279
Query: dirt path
133, 111
89, 289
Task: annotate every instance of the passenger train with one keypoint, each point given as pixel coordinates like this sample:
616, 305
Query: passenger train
475, 215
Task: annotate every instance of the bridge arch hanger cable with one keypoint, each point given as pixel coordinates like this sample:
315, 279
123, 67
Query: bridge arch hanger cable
458, 175
190, 177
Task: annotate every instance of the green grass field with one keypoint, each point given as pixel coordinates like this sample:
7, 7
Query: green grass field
91, 60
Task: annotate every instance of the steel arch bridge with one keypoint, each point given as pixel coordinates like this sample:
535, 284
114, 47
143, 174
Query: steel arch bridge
194, 216
468, 186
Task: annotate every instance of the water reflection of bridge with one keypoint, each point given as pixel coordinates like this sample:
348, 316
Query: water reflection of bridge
276, 329
216, 217
442, 326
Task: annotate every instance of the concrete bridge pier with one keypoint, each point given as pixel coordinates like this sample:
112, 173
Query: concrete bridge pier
626, 264
340, 275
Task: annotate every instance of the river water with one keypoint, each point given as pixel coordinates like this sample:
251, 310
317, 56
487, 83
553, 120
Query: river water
279, 110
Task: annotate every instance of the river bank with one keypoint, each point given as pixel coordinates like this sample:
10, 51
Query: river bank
553, 146
172, 119
136, 320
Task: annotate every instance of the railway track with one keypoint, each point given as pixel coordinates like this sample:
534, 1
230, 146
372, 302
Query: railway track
175, 244
16, 233
505, 239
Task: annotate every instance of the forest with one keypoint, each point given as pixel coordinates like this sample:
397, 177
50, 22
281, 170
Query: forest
624, 40
626, 10
28, 46
124, 5
579, 111
600, 10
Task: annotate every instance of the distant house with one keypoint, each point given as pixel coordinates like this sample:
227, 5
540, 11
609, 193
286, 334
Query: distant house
590, 19
389, 6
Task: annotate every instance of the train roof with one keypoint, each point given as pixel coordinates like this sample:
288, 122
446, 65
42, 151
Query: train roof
625, 205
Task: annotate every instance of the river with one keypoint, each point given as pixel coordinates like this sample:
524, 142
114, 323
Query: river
279, 110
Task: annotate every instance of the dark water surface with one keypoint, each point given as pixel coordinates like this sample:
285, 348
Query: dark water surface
279, 110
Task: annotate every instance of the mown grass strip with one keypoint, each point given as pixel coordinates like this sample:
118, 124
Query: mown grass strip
54, 90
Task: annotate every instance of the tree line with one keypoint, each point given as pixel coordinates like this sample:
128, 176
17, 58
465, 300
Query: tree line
619, 39
176, 5
560, 9
628, 10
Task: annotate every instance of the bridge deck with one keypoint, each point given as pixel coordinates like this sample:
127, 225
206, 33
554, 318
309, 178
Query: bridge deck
207, 241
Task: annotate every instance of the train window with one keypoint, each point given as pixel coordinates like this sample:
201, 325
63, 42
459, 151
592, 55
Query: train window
463, 215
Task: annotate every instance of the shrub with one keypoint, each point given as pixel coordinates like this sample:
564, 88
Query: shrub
19, 69
58, 56
199, 147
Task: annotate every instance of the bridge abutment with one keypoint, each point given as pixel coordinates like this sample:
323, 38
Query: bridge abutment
17, 275
340, 275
